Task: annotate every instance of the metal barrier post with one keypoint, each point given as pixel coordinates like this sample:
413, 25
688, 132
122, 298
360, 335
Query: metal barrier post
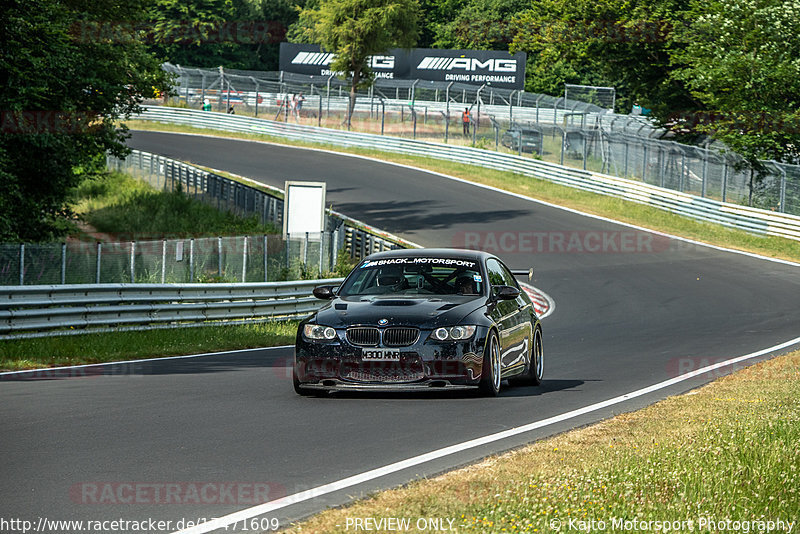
63, 263
266, 278
191, 260
321, 243
782, 205
133, 262
22, 264
256, 94
244, 260
724, 180
97, 262
705, 171
334, 248
163, 261
219, 257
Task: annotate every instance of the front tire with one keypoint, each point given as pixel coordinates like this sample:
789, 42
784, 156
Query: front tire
533, 377
490, 374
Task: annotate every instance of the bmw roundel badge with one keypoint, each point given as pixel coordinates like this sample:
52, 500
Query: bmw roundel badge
383, 322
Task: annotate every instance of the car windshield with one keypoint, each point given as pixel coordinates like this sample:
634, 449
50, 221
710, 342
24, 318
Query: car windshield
414, 276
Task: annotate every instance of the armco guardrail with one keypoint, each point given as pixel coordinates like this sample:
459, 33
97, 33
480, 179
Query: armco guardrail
38, 311
731, 215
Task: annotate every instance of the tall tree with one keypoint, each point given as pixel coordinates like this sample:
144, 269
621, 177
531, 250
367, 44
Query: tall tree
622, 43
69, 73
741, 62
357, 29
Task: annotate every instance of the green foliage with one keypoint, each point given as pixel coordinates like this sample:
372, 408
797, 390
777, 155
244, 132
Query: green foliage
239, 34
63, 90
116, 203
479, 24
627, 45
344, 264
740, 61
357, 29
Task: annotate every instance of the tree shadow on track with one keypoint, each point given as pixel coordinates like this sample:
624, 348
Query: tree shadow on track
421, 215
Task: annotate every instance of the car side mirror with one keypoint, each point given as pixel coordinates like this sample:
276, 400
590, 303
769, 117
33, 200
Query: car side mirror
324, 292
506, 292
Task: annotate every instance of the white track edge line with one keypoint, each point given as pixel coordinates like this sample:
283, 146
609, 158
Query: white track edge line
144, 360
367, 476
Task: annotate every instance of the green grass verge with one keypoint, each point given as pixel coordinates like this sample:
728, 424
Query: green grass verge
117, 203
108, 347
613, 208
727, 451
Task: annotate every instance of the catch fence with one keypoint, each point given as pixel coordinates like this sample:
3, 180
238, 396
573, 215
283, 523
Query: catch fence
554, 129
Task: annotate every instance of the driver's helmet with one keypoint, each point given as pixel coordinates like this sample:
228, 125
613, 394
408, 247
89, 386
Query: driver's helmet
391, 276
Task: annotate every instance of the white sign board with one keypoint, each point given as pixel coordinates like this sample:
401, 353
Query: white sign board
304, 209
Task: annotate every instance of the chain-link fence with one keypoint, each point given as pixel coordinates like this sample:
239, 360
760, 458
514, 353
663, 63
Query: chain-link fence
255, 258
560, 130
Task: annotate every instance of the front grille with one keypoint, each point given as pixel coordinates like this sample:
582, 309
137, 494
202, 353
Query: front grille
400, 337
364, 336
408, 370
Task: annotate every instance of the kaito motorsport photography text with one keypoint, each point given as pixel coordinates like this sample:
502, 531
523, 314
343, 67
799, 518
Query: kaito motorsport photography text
699, 524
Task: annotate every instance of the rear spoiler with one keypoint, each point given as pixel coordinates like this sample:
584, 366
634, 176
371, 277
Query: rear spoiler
521, 272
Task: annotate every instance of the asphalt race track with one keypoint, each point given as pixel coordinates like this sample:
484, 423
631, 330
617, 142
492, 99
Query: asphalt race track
632, 309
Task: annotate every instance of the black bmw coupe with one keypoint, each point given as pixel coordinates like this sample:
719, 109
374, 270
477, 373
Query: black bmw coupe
421, 319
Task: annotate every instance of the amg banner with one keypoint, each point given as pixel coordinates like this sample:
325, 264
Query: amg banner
311, 60
477, 67
491, 67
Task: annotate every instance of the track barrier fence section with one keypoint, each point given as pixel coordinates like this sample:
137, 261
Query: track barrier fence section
578, 130
688, 203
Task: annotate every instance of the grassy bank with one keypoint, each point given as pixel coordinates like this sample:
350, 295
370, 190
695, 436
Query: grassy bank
116, 346
613, 208
727, 451
115, 203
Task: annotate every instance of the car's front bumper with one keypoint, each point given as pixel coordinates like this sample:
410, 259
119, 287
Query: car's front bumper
427, 364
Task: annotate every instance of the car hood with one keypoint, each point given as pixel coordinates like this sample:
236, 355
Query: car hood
422, 312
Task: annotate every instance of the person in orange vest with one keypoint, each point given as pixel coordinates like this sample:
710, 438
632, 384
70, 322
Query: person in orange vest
465, 121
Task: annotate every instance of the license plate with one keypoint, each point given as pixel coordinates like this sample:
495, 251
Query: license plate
380, 355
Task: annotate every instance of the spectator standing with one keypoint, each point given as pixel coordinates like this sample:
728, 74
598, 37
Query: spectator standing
298, 104
465, 121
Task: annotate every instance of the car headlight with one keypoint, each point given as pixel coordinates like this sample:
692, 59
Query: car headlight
316, 331
453, 333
